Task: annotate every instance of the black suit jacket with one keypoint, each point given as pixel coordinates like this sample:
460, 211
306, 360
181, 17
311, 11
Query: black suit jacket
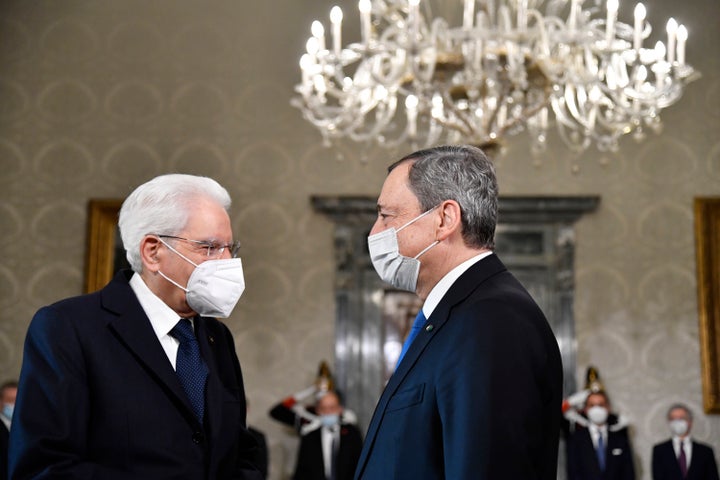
4, 436
310, 465
702, 463
262, 456
98, 398
478, 393
583, 463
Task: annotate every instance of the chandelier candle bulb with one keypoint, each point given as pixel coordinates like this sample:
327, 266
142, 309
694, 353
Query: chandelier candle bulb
639, 22
312, 49
522, 6
661, 68
572, 20
414, 18
411, 103
671, 33
365, 6
612, 9
468, 14
682, 35
336, 17
318, 31
305, 63
642, 75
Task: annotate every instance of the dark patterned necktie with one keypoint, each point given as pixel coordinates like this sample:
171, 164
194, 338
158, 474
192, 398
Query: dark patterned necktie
682, 460
190, 368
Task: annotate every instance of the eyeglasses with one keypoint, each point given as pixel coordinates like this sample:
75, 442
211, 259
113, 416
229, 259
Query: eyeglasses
212, 249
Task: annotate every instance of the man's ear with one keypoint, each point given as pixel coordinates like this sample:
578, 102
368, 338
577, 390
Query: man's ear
150, 253
450, 219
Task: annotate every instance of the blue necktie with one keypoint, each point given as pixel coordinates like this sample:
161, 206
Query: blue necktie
414, 330
190, 367
601, 452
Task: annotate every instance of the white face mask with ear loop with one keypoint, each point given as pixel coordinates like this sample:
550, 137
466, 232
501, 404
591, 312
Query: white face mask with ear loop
597, 415
214, 287
397, 270
679, 426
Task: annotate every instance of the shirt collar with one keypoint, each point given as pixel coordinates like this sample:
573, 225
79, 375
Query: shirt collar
598, 429
162, 318
676, 440
441, 288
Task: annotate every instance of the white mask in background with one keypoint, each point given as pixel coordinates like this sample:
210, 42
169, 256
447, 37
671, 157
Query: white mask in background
597, 415
678, 427
397, 270
7, 410
214, 287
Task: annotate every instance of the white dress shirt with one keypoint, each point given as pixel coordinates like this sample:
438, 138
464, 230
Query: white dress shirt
687, 446
6, 421
595, 432
327, 435
441, 288
162, 318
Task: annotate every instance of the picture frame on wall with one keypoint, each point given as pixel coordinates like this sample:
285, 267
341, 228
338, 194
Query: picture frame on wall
105, 254
707, 248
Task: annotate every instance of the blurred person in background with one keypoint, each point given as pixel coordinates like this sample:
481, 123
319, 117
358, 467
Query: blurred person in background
681, 457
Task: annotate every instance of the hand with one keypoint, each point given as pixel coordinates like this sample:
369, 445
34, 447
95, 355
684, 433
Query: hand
577, 399
305, 393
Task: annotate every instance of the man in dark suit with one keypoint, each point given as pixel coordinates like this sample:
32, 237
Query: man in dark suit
329, 443
8, 394
262, 456
139, 380
477, 394
681, 457
599, 449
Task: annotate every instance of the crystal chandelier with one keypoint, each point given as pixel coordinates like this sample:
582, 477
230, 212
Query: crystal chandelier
501, 67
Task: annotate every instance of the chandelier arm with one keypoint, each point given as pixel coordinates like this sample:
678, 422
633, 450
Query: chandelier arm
461, 116
522, 118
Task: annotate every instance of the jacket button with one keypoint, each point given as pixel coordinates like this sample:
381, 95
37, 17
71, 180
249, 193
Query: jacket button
429, 328
197, 437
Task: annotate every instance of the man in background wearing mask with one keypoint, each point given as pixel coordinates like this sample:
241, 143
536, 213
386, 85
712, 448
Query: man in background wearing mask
8, 393
681, 457
600, 449
477, 389
330, 443
139, 380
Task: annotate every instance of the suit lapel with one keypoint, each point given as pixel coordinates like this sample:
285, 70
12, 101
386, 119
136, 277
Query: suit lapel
672, 461
468, 282
133, 329
213, 400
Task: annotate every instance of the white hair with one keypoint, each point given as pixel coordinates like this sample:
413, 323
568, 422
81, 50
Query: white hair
160, 206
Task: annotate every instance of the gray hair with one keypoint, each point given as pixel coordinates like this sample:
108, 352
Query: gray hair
161, 206
680, 406
462, 173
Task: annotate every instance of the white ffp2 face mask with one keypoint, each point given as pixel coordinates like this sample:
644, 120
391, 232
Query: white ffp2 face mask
597, 415
397, 270
214, 287
678, 427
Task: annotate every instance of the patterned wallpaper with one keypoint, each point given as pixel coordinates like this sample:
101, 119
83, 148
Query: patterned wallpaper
97, 96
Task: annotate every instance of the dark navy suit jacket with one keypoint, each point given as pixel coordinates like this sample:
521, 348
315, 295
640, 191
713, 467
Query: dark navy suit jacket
666, 467
582, 458
477, 395
98, 398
